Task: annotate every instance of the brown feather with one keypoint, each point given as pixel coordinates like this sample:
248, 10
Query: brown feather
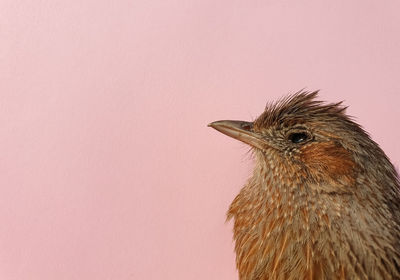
327, 207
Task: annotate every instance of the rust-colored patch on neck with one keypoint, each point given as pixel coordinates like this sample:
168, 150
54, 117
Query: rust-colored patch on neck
329, 162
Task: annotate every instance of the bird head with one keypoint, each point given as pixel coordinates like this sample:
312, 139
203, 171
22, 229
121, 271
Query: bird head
304, 140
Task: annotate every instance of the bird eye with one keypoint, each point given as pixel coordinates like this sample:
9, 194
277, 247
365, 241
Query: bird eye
298, 137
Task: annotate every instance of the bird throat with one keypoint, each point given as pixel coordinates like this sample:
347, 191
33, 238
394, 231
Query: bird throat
277, 225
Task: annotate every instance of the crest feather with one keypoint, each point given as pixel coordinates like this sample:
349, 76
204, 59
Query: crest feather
301, 104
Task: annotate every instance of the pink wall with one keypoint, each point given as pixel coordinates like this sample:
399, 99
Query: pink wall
108, 170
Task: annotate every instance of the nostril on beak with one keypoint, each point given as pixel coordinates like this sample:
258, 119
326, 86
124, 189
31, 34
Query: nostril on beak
247, 126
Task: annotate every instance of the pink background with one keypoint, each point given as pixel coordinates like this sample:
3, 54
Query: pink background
107, 168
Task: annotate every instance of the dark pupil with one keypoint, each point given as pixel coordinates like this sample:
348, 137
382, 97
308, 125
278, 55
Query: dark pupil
298, 137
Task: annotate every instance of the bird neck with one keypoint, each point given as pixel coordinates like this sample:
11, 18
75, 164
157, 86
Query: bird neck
283, 231
270, 220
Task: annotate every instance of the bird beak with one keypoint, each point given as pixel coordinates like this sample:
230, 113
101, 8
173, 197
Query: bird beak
239, 130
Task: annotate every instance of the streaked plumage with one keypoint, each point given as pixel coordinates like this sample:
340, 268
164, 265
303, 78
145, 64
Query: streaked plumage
323, 201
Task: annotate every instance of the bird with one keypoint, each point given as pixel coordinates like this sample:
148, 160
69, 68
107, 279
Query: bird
323, 200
